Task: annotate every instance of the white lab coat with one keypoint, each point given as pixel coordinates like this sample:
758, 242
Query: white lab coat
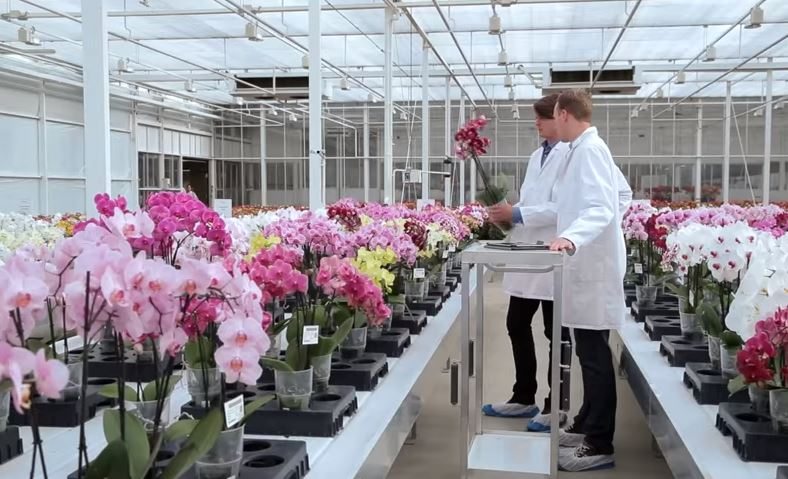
538, 210
592, 196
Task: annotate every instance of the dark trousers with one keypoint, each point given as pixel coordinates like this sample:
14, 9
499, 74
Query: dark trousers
518, 323
597, 416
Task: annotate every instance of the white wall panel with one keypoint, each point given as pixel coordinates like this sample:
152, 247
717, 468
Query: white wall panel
121, 147
65, 150
16, 100
67, 109
66, 196
19, 140
21, 196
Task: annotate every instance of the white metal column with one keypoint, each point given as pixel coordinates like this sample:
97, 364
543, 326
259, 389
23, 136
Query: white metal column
263, 161
366, 152
767, 137
316, 179
95, 78
425, 122
461, 121
726, 147
698, 153
447, 182
388, 110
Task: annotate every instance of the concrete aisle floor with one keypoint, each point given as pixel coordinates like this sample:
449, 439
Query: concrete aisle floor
435, 453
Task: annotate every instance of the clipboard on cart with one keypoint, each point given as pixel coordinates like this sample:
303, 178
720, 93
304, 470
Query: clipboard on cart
508, 246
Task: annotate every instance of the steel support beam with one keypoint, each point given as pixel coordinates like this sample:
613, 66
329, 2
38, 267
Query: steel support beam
447, 182
388, 110
767, 138
726, 146
698, 154
263, 162
460, 122
95, 60
316, 179
425, 122
366, 152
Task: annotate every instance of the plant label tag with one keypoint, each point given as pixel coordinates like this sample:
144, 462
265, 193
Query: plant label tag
311, 335
418, 273
452, 249
234, 411
638, 268
445, 254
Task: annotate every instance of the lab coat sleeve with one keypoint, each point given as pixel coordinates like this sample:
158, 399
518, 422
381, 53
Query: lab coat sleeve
545, 214
624, 192
596, 188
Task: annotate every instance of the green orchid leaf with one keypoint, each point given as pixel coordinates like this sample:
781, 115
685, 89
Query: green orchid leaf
731, 340
679, 290
296, 356
111, 463
328, 344
136, 440
151, 393
180, 429
191, 351
111, 391
253, 406
275, 364
200, 441
736, 384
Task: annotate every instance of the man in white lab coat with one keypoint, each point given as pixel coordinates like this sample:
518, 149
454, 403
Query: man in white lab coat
590, 202
533, 219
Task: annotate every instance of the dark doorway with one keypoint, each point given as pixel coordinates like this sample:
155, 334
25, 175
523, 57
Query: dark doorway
195, 176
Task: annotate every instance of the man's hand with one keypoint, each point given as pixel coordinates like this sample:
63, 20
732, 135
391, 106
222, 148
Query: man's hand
562, 244
500, 213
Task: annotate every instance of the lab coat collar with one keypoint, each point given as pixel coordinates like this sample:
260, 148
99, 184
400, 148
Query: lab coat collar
557, 148
591, 130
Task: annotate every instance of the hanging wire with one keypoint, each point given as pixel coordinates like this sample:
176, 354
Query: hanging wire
747, 178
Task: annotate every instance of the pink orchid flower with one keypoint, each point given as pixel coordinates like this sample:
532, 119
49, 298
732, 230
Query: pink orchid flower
15, 363
239, 364
244, 332
51, 375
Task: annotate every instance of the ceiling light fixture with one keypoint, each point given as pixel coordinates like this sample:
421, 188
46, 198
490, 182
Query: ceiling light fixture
659, 93
145, 3
28, 36
711, 54
273, 111
239, 101
758, 112
681, 78
635, 112
124, 66
511, 94
189, 86
503, 58
516, 114
305, 60
508, 82
403, 116
779, 105
756, 18
344, 84
293, 117
253, 32
16, 15
495, 25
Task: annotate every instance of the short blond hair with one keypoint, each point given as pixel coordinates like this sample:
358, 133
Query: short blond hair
577, 103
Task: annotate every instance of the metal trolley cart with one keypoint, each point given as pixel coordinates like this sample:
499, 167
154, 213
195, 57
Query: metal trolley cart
534, 455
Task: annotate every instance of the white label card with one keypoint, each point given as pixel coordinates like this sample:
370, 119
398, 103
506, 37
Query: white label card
234, 411
452, 249
418, 273
638, 268
311, 335
445, 254
224, 207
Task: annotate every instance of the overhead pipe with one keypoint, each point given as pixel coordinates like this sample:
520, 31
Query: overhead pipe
700, 54
726, 73
465, 59
615, 43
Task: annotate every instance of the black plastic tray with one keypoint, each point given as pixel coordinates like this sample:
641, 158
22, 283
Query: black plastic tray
680, 350
782, 472
452, 282
430, 304
754, 439
10, 444
66, 412
102, 363
324, 418
455, 273
363, 372
413, 320
443, 292
663, 306
392, 342
657, 326
707, 383
262, 459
